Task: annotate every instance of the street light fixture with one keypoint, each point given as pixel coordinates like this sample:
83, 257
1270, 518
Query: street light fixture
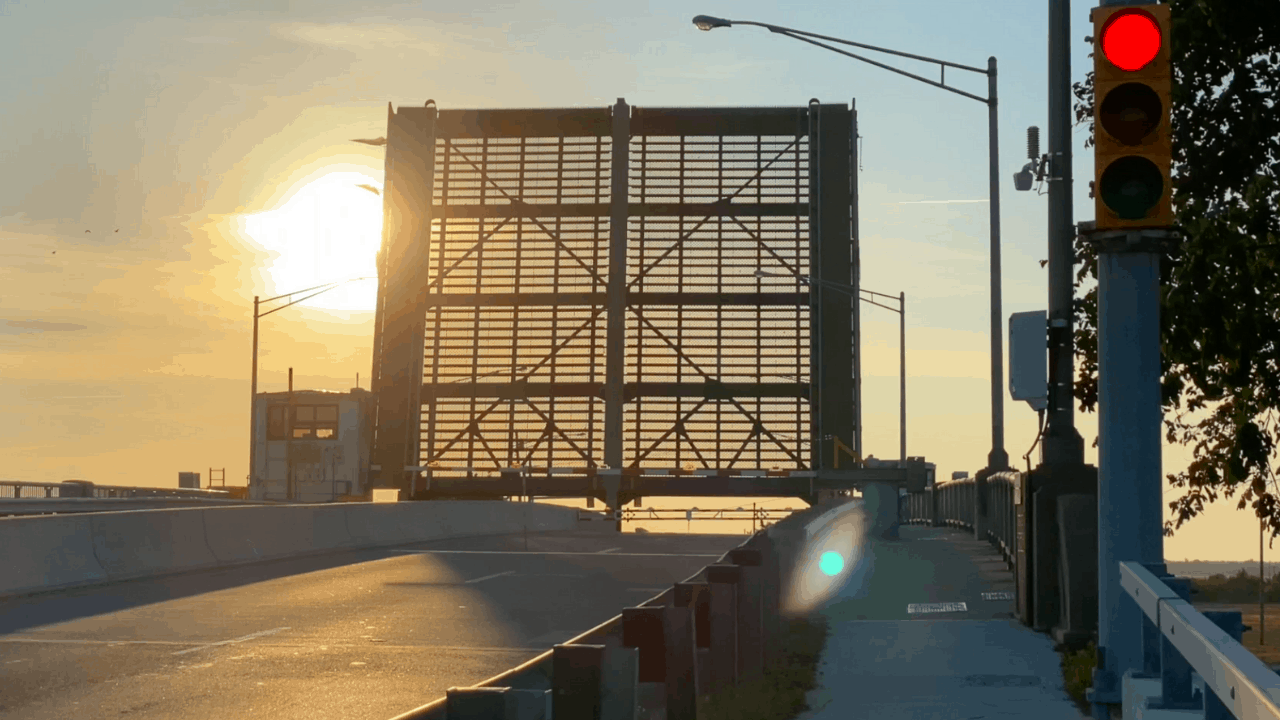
253, 389
997, 459
852, 292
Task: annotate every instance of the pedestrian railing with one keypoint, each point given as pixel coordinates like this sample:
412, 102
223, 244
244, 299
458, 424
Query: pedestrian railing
957, 503
1192, 661
17, 489
1001, 512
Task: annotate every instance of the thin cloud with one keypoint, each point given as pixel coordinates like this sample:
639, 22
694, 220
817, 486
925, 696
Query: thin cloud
42, 326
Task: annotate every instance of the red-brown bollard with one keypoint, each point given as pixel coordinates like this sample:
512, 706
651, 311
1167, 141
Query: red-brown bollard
664, 636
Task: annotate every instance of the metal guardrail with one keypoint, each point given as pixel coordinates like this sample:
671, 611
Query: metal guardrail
956, 504
1224, 677
14, 489
51, 506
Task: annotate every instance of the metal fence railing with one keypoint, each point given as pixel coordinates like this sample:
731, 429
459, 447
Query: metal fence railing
1193, 661
955, 503
14, 489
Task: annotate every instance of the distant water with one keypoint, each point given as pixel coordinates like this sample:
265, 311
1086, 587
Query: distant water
1205, 569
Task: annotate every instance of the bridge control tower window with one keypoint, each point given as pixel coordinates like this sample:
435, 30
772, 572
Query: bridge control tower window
318, 422
277, 426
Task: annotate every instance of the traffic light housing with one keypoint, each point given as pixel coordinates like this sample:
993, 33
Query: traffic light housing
1133, 143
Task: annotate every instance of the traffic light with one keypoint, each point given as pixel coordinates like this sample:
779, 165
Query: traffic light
1133, 134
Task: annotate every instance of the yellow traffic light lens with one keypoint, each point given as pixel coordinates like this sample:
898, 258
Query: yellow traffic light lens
1130, 112
1130, 40
1131, 186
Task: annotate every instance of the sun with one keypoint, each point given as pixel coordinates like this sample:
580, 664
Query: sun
328, 229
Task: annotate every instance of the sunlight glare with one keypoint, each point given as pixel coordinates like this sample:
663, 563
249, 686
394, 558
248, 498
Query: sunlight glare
328, 229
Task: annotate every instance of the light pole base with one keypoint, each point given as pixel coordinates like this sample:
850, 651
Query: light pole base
1062, 447
998, 460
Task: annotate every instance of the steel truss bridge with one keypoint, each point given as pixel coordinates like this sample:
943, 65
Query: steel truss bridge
569, 303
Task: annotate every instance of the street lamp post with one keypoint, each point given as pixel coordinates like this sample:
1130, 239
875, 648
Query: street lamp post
902, 341
253, 382
997, 459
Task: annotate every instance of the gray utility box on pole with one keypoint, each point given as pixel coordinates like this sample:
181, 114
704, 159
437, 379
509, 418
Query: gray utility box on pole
1028, 358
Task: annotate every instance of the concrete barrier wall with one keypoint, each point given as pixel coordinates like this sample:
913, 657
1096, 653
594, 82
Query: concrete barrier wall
51, 552
58, 551
146, 542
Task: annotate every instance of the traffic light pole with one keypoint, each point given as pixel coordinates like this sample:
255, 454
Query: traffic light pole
1130, 526
1133, 138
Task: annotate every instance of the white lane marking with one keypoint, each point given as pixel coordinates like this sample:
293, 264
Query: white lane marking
1003, 595
488, 577
250, 636
915, 608
506, 552
602, 552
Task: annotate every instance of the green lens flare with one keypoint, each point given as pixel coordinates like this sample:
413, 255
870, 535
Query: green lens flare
831, 563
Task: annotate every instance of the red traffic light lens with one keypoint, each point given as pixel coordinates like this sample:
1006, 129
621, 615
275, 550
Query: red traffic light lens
1131, 39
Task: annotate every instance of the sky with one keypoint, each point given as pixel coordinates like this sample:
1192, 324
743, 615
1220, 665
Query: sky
165, 162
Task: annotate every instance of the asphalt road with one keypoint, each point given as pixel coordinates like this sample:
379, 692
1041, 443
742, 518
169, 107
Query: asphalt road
359, 634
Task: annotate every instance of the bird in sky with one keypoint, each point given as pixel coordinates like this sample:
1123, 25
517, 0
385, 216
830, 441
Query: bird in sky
55, 252
88, 231
117, 229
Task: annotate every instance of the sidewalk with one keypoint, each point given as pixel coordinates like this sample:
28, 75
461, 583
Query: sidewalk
882, 662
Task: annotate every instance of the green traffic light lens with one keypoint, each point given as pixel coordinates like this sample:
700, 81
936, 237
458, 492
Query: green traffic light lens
1130, 112
1131, 187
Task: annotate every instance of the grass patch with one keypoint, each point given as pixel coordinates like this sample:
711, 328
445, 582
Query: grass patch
779, 694
1077, 673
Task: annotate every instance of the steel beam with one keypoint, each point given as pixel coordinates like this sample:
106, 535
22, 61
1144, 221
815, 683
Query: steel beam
660, 485
406, 252
616, 339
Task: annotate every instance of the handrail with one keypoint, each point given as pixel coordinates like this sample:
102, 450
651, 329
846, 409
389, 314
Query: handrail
1244, 686
12, 489
955, 503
